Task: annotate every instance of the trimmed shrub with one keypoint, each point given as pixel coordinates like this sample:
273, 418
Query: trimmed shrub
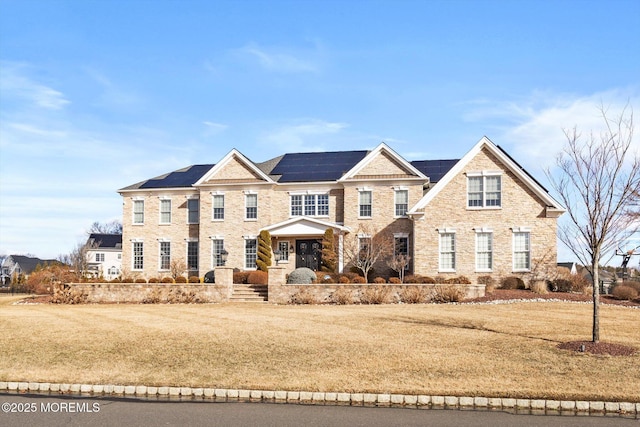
181, 279
461, 280
329, 257
448, 293
411, 278
394, 280
512, 282
258, 278
194, 279
166, 280
375, 295
127, 280
302, 276
379, 280
440, 279
154, 280
342, 296
488, 282
304, 296
240, 277
624, 292
359, 279
539, 287
263, 260
344, 280
141, 281
116, 280
414, 295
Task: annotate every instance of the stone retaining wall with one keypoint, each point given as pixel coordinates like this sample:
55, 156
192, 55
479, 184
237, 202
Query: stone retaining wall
149, 292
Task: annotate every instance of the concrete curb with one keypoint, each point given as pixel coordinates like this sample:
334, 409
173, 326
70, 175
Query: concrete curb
536, 406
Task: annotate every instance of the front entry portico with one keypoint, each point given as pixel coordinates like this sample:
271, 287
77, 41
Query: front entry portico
307, 234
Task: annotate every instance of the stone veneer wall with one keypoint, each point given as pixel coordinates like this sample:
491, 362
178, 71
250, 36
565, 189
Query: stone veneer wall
151, 292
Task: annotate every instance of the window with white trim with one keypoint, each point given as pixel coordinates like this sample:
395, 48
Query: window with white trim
138, 211
138, 255
99, 257
165, 255
447, 256
192, 255
484, 190
309, 204
218, 207
250, 253
251, 206
365, 208
484, 251
401, 202
401, 248
165, 211
217, 245
193, 211
521, 250
283, 247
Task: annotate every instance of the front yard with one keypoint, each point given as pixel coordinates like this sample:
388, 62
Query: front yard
494, 350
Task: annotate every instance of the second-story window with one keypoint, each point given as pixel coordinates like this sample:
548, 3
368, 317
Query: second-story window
218, 207
401, 202
138, 211
310, 205
484, 190
165, 211
251, 205
364, 204
193, 211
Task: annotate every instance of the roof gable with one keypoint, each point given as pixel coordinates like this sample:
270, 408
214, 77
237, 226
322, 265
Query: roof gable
233, 168
381, 163
505, 160
303, 226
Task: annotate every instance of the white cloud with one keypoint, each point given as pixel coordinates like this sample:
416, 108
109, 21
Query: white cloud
274, 59
307, 135
15, 83
532, 129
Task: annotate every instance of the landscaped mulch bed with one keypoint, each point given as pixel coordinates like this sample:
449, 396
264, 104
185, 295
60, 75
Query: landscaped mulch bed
525, 294
602, 348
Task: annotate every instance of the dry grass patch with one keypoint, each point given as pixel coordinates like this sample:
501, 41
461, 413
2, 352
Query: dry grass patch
494, 350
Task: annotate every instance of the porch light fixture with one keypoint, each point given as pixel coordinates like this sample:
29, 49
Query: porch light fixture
224, 255
278, 255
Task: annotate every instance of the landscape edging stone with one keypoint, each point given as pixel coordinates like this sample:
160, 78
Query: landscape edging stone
580, 407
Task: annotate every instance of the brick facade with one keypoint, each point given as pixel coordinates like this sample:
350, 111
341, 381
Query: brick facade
383, 173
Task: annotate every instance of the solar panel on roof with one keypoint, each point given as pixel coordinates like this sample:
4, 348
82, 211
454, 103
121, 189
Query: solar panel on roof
305, 167
434, 169
182, 178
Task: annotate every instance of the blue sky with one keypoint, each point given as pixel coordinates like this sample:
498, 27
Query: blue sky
97, 95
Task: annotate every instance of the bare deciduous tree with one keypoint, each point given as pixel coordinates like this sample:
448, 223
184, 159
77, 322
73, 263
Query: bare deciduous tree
399, 263
598, 177
178, 267
113, 227
366, 248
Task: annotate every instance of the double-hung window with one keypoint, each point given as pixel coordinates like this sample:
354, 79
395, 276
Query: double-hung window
217, 245
283, 247
251, 206
401, 202
138, 211
250, 253
365, 203
218, 207
99, 257
138, 255
484, 190
165, 211
521, 250
484, 250
192, 255
447, 251
309, 205
165, 255
193, 211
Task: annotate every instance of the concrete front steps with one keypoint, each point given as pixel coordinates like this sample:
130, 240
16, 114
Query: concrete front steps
249, 293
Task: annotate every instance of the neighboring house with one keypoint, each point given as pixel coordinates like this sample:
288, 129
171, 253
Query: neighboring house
15, 267
571, 266
479, 215
104, 256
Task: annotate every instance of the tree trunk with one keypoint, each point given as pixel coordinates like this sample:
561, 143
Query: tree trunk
596, 302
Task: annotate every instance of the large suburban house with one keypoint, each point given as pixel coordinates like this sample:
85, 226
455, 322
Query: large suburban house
479, 215
15, 268
104, 256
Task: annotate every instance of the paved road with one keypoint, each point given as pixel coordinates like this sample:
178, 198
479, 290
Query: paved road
95, 412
